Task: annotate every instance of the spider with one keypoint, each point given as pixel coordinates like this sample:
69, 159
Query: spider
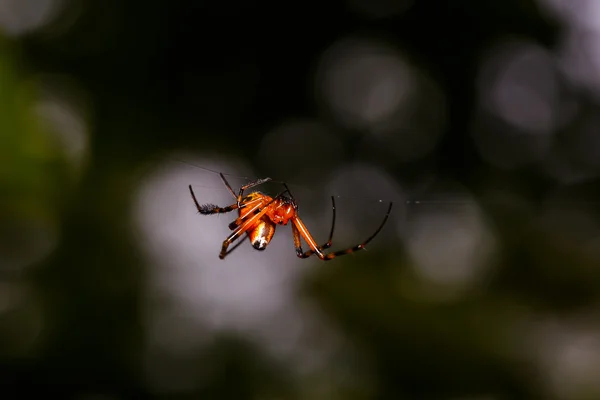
259, 215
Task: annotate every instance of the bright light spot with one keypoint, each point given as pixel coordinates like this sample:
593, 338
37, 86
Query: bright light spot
450, 241
579, 51
370, 88
519, 97
18, 17
412, 132
583, 13
569, 355
579, 57
364, 84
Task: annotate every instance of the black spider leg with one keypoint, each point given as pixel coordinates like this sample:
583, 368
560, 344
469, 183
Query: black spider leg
305, 254
361, 246
207, 209
243, 188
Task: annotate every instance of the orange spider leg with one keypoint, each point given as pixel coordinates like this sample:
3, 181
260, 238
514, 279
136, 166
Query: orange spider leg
300, 230
298, 244
250, 223
251, 208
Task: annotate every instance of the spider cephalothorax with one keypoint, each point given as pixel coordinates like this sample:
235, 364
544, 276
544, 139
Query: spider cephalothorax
259, 214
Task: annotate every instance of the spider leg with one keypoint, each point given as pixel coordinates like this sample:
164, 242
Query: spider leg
253, 206
243, 188
228, 186
240, 231
236, 245
298, 244
287, 189
303, 231
207, 209
254, 183
299, 230
248, 186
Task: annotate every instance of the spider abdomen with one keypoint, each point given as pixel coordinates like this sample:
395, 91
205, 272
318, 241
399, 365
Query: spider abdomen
261, 234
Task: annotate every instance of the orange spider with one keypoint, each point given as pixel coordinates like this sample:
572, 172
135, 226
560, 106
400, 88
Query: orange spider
259, 214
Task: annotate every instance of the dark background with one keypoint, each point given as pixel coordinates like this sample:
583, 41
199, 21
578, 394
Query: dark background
497, 140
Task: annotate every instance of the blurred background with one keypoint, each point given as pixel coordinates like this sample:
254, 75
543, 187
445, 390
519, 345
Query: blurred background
479, 120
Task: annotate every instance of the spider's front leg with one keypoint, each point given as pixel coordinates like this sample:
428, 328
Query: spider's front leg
208, 209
